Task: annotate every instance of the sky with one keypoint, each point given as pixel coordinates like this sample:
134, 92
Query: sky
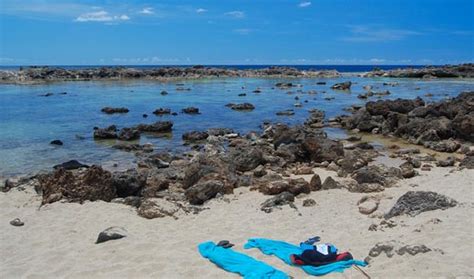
331, 32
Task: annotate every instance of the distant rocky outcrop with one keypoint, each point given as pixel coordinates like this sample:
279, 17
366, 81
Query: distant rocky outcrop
448, 71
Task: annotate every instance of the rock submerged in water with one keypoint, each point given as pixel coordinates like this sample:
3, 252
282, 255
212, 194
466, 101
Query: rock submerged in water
111, 233
191, 110
106, 133
128, 134
242, 106
342, 86
157, 127
195, 136
56, 142
413, 203
111, 110
162, 111
70, 165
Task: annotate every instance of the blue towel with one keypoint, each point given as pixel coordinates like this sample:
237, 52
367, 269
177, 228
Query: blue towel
283, 251
240, 263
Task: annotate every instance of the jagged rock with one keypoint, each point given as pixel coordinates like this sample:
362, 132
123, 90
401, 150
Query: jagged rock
92, 184
365, 187
220, 131
246, 159
190, 110
330, 183
154, 184
70, 165
106, 133
128, 183
157, 127
110, 110
467, 162
111, 233
407, 170
279, 200
309, 202
162, 111
243, 106
342, 86
315, 183
128, 134
195, 136
448, 162
321, 149
413, 203
151, 208
201, 192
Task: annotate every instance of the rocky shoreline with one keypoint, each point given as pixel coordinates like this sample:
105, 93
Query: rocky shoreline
221, 161
28, 75
41, 74
448, 71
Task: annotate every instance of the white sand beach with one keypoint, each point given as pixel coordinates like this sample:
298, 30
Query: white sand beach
57, 240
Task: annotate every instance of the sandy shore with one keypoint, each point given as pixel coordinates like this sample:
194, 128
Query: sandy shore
57, 240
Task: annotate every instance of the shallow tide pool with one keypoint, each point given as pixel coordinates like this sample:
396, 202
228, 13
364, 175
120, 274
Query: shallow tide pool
28, 121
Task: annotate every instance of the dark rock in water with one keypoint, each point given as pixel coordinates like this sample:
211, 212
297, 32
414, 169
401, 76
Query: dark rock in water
242, 95
195, 136
190, 110
110, 110
413, 203
147, 148
321, 83
106, 133
243, 106
145, 115
157, 127
257, 91
16, 222
330, 183
91, 184
279, 200
128, 183
70, 165
287, 112
467, 162
202, 192
47, 94
342, 86
111, 233
164, 92
364, 145
129, 134
56, 142
399, 105
219, 131
162, 111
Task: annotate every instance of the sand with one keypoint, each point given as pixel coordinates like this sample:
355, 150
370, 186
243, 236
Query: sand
57, 240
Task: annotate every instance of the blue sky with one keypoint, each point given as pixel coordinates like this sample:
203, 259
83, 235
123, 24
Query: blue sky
236, 32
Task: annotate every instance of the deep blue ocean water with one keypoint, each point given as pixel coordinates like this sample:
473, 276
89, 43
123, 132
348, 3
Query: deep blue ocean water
28, 121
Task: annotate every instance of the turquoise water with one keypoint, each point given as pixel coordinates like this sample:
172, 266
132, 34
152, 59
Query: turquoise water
28, 122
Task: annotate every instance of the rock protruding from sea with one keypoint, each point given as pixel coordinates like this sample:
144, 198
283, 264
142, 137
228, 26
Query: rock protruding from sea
439, 126
448, 71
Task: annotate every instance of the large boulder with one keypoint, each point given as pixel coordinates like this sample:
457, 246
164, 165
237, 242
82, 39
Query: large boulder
90, 184
321, 149
128, 183
195, 136
106, 133
157, 127
413, 203
204, 191
128, 134
247, 158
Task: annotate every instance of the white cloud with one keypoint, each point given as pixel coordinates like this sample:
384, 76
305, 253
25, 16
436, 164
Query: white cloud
367, 34
147, 11
235, 14
201, 10
304, 4
101, 16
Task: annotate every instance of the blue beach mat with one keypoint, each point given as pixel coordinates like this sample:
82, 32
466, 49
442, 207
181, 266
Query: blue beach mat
283, 251
236, 262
